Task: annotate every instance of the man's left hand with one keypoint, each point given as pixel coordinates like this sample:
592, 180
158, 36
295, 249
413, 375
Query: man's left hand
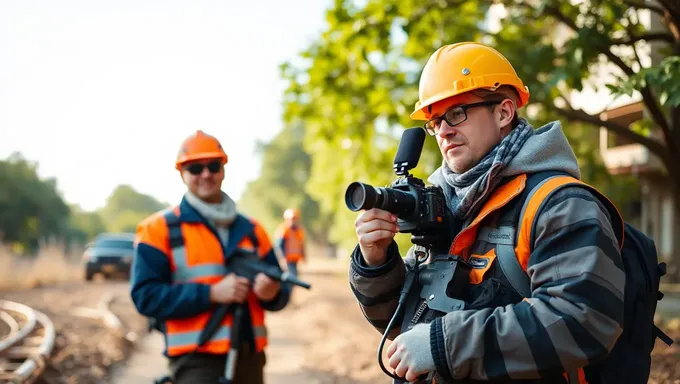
410, 355
265, 288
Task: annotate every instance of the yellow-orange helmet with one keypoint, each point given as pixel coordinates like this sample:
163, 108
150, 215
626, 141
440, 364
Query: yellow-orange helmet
199, 146
463, 67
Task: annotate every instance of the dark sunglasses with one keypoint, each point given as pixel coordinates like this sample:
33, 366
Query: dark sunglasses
197, 168
454, 116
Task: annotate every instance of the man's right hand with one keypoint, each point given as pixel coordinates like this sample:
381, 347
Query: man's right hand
231, 289
375, 229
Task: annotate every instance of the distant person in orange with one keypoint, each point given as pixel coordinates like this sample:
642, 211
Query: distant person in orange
179, 274
291, 240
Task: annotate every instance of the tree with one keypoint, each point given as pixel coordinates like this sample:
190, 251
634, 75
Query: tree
31, 208
281, 185
84, 225
126, 207
602, 35
354, 88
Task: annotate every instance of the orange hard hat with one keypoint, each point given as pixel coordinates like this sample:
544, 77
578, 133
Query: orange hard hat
291, 213
463, 67
199, 146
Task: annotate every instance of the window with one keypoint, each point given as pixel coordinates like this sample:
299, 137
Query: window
118, 244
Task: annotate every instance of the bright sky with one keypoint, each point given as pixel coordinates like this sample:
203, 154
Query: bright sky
101, 93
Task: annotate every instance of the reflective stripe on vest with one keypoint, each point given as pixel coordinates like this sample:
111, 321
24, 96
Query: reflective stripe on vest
222, 334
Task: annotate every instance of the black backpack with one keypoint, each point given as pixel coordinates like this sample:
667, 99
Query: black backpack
630, 360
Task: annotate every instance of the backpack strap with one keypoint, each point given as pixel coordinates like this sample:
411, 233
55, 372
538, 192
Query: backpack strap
174, 230
176, 242
519, 218
509, 231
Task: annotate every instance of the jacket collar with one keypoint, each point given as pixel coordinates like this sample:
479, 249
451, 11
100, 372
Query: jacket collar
189, 214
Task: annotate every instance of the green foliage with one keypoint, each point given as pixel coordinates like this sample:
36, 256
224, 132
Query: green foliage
354, 88
85, 225
285, 168
596, 35
127, 221
125, 199
664, 77
31, 209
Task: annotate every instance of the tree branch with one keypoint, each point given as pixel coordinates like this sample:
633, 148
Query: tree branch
645, 36
637, 57
566, 100
653, 145
556, 13
658, 115
648, 97
644, 5
672, 9
618, 61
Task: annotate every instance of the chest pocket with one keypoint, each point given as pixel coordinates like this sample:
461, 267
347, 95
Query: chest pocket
489, 286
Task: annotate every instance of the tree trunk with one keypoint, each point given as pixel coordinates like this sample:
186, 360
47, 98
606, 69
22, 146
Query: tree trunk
673, 265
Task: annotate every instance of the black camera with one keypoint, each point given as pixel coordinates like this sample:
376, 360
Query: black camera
433, 289
420, 209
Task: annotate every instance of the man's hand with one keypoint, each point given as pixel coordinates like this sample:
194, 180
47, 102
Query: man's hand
410, 355
265, 288
375, 229
231, 289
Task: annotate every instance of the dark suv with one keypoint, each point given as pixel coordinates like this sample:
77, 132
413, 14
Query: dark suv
109, 254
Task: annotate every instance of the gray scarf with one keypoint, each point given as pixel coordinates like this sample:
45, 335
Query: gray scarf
465, 191
220, 215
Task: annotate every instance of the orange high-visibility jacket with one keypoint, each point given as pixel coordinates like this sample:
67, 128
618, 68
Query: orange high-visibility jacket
178, 255
291, 242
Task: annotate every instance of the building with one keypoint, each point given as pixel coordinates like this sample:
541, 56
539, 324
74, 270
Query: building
656, 215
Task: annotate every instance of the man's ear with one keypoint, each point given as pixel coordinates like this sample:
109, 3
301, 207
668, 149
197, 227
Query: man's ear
181, 176
507, 111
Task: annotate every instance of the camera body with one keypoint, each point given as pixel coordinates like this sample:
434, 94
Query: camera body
428, 212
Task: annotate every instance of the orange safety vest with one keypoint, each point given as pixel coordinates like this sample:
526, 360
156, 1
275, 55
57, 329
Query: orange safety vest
293, 242
196, 255
464, 241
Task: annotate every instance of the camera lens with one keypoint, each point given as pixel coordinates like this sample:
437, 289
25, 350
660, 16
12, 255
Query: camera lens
360, 196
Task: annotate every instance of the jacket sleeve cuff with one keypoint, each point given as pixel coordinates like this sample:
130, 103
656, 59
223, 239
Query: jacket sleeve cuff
438, 349
359, 265
279, 301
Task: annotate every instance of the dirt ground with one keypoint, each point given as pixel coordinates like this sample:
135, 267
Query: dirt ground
85, 348
321, 338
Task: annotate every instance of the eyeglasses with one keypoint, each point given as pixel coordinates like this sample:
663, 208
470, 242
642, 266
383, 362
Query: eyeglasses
197, 168
454, 116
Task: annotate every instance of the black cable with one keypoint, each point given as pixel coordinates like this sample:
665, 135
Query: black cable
408, 283
384, 338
